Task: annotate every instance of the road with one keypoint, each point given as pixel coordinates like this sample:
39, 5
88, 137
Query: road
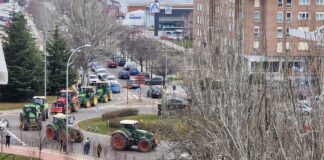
146, 106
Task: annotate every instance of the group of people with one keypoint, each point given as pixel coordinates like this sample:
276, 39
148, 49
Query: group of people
86, 148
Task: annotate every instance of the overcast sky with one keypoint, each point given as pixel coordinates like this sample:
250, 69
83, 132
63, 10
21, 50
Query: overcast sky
125, 2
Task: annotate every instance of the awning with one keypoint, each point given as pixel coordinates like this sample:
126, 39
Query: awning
3, 68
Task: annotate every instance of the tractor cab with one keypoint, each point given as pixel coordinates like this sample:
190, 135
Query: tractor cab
103, 91
104, 85
39, 100
30, 117
87, 97
129, 124
30, 109
69, 92
60, 119
87, 90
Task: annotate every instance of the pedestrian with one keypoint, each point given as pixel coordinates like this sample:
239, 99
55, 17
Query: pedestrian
61, 145
7, 140
79, 87
99, 149
86, 147
64, 146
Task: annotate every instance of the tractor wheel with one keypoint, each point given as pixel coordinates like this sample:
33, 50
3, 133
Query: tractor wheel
144, 145
46, 113
109, 96
43, 115
39, 126
76, 135
50, 133
25, 126
118, 142
95, 101
105, 98
87, 103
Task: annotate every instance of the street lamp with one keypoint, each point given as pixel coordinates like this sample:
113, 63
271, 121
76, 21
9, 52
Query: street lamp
67, 88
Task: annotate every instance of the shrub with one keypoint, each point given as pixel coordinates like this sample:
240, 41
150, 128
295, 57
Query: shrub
119, 113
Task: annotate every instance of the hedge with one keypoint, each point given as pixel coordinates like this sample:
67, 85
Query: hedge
119, 113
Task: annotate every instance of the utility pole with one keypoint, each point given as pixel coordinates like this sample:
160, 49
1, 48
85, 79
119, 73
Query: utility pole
156, 22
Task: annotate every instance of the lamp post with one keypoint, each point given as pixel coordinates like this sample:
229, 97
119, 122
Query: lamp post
67, 88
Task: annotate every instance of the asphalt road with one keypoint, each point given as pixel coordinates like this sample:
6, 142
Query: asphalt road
146, 106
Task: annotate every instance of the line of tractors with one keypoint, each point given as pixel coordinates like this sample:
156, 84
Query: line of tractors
33, 114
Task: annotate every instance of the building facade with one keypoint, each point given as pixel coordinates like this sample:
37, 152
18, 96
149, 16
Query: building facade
267, 25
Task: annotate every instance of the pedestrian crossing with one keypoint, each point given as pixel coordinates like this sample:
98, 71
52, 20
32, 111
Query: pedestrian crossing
132, 96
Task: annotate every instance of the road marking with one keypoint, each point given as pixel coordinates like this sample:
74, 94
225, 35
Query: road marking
15, 137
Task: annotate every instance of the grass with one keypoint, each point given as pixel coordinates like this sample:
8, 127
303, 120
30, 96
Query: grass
102, 125
11, 106
17, 157
183, 43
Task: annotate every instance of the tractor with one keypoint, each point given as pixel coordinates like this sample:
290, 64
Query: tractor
129, 135
30, 117
87, 97
103, 91
56, 130
59, 105
43, 105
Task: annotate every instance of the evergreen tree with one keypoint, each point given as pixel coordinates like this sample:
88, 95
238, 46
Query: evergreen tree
23, 61
58, 52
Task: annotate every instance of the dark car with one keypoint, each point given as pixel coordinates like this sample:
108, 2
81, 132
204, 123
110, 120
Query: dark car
158, 80
177, 104
123, 75
133, 71
154, 93
133, 84
121, 62
111, 64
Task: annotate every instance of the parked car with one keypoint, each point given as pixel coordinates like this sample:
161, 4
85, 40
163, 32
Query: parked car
133, 84
175, 103
129, 65
133, 71
121, 62
112, 78
111, 64
92, 78
101, 73
123, 75
158, 80
115, 87
154, 93
165, 37
98, 67
115, 57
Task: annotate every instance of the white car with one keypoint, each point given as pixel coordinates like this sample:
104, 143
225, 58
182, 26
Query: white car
112, 79
92, 78
305, 109
102, 73
97, 68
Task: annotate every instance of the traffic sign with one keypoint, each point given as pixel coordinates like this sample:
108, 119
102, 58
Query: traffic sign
155, 7
168, 10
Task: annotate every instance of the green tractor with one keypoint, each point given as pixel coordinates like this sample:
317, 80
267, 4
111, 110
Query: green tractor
87, 97
129, 135
103, 91
30, 117
57, 128
43, 105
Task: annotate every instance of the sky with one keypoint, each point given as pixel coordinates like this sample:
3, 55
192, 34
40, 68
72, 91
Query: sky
125, 2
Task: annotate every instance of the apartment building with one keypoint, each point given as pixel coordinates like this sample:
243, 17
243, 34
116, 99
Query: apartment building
268, 40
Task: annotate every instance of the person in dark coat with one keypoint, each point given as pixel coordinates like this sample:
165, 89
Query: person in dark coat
8, 140
99, 149
86, 147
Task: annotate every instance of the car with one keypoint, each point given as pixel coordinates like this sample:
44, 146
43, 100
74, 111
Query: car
165, 37
111, 64
121, 62
158, 80
115, 57
176, 103
305, 109
129, 65
133, 84
92, 78
123, 75
111, 78
115, 87
93, 66
99, 68
133, 71
154, 93
101, 73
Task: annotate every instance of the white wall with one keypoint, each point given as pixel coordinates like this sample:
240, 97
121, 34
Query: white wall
3, 68
138, 18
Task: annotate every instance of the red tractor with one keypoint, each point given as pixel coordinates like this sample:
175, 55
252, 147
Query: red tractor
59, 105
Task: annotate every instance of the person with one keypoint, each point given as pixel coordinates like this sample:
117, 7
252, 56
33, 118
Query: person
61, 144
79, 87
64, 146
7, 140
87, 147
99, 149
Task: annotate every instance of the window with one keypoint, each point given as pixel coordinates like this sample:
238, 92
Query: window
280, 3
287, 32
288, 46
288, 17
303, 16
256, 45
304, 2
280, 17
256, 3
320, 16
255, 66
279, 47
256, 31
198, 19
302, 46
320, 2
256, 16
288, 4
279, 32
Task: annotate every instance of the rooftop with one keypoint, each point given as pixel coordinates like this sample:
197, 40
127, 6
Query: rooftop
128, 122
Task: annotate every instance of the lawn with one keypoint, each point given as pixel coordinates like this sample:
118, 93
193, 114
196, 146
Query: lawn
150, 123
183, 43
10, 105
17, 157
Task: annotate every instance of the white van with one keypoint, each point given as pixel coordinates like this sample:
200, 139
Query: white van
129, 65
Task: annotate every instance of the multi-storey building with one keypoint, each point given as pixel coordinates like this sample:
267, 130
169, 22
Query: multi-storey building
267, 24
